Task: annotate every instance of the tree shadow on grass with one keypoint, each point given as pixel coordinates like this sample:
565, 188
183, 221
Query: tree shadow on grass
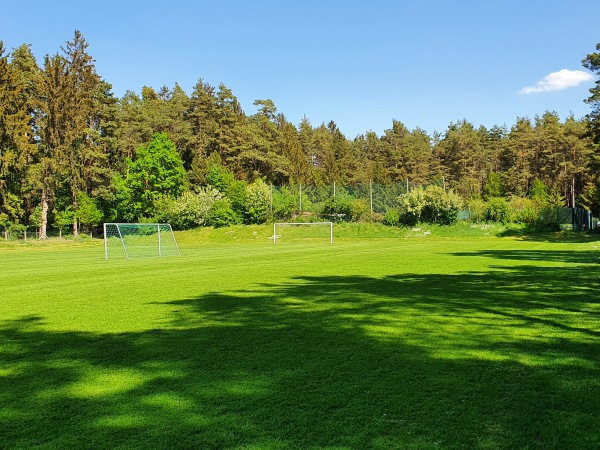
500, 359
534, 234
565, 256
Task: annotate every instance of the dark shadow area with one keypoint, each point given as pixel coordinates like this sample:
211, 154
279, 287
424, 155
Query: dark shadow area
564, 256
503, 359
539, 235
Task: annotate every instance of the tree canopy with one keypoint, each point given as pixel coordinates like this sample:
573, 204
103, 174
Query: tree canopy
68, 145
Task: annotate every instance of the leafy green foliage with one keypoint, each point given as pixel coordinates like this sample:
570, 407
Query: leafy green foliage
497, 210
539, 191
157, 171
592, 62
284, 203
63, 218
222, 214
477, 209
431, 205
493, 186
220, 178
63, 133
191, 210
237, 193
339, 208
391, 218
525, 210
258, 202
87, 212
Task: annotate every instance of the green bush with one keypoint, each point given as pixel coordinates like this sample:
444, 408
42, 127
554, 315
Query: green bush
237, 193
391, 218
497, 210
524, 210
429, 205
412, 204
372, 217
284, 203
339, 208
190, 210
221, 214
258, 202
360, 211
477, 210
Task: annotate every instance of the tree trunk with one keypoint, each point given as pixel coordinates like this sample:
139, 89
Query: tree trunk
573, 191
44, 221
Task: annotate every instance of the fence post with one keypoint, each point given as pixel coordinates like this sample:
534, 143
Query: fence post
371, 194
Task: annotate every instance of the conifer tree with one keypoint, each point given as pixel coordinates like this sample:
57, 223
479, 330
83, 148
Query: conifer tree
16, 132
73, 96
518, 158
592, 63
202, 117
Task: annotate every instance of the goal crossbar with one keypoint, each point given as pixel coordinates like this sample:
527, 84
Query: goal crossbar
275, 225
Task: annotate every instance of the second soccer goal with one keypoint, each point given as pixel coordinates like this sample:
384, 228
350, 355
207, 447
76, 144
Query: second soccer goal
303, 230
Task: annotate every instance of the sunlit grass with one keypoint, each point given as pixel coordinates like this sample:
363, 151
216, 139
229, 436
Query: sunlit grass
376, 341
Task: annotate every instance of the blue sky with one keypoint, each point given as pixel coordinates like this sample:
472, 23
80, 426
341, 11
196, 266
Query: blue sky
426, 63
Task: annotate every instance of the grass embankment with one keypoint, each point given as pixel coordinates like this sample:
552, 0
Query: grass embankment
426, 340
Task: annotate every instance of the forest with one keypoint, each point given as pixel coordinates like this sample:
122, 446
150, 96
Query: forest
73, 154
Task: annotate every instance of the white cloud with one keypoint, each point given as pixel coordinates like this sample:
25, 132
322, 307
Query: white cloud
557, 81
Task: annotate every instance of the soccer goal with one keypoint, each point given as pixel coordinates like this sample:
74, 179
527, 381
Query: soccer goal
139, 240
303, 230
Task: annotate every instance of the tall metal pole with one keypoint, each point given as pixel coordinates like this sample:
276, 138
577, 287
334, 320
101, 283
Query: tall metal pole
371, 193
105, 243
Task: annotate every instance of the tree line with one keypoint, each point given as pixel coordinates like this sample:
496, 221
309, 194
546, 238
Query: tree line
70, 149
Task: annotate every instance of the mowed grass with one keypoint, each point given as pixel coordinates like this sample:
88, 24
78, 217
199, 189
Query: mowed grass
419, 341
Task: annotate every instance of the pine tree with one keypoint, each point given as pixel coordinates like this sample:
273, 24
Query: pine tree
202, 116
73, 100
518, 158
464, 157
231, 129
592, 62
16, 133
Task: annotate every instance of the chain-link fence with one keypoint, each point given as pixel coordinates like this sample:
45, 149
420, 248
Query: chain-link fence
576, 219
11, 234
334, 201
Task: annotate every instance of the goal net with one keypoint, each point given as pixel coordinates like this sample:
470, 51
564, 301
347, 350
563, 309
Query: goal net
303, 231
139, 240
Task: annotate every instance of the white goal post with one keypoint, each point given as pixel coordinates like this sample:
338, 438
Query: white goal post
132, 240
281, 224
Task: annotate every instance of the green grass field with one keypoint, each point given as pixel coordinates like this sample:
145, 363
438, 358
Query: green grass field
420, 339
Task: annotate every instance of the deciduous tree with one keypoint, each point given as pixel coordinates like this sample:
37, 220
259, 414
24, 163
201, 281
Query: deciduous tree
158, 170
